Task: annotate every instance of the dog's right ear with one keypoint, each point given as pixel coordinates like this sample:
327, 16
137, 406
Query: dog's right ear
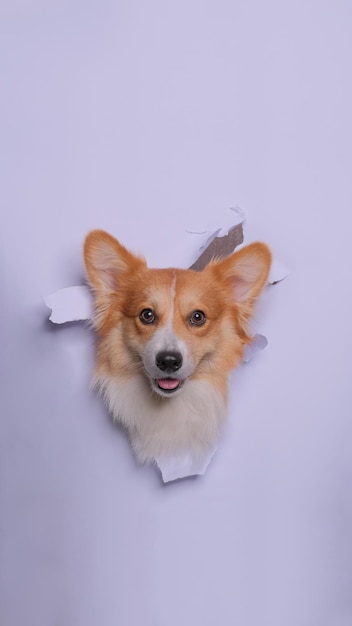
106, 260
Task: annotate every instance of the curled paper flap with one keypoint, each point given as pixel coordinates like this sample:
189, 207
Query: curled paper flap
219, 246
72, 304
209, 240
259, 342
173, 468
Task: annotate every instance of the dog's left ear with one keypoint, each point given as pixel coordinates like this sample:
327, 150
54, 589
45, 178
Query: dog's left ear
106, 261
247, 271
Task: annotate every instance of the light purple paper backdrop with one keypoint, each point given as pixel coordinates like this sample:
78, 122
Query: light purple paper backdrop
145, 118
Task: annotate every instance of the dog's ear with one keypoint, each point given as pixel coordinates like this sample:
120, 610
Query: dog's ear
106, 260
247, 272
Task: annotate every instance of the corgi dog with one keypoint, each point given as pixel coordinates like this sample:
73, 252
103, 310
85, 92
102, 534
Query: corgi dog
167, 341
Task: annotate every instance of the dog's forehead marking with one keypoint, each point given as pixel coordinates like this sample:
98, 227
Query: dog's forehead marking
172, 301
165, 337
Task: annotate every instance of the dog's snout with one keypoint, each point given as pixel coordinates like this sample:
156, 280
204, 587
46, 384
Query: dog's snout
169, 361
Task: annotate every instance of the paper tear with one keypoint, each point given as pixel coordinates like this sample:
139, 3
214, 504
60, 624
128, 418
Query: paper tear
76, 304
210, 239
71, 304
176, 467
219, 246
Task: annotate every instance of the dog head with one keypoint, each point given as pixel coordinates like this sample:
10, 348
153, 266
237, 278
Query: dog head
172, 326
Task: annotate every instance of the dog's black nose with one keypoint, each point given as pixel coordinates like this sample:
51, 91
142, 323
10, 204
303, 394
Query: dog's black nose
169, 361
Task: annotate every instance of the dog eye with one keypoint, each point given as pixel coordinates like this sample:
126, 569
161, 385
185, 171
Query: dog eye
147, 316
198, 318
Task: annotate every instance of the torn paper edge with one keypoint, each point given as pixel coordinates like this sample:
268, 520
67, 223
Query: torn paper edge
74, 304
258, 343
182, 466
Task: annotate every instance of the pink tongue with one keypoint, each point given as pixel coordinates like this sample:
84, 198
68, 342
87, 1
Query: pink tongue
168, 383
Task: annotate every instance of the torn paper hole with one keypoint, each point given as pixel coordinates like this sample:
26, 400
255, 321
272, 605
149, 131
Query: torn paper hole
74, 304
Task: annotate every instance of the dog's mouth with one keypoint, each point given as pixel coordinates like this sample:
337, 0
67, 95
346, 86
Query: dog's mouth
168, 385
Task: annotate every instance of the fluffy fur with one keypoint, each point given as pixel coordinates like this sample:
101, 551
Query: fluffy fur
168, 340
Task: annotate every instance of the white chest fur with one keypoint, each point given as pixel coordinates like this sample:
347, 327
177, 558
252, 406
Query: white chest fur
179, 433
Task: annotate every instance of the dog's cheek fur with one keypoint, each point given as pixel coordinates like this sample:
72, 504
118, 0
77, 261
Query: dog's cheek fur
114, 357
190, 423
220, 352
217, 347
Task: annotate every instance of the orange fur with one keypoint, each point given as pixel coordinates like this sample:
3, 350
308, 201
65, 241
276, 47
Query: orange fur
225, 291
